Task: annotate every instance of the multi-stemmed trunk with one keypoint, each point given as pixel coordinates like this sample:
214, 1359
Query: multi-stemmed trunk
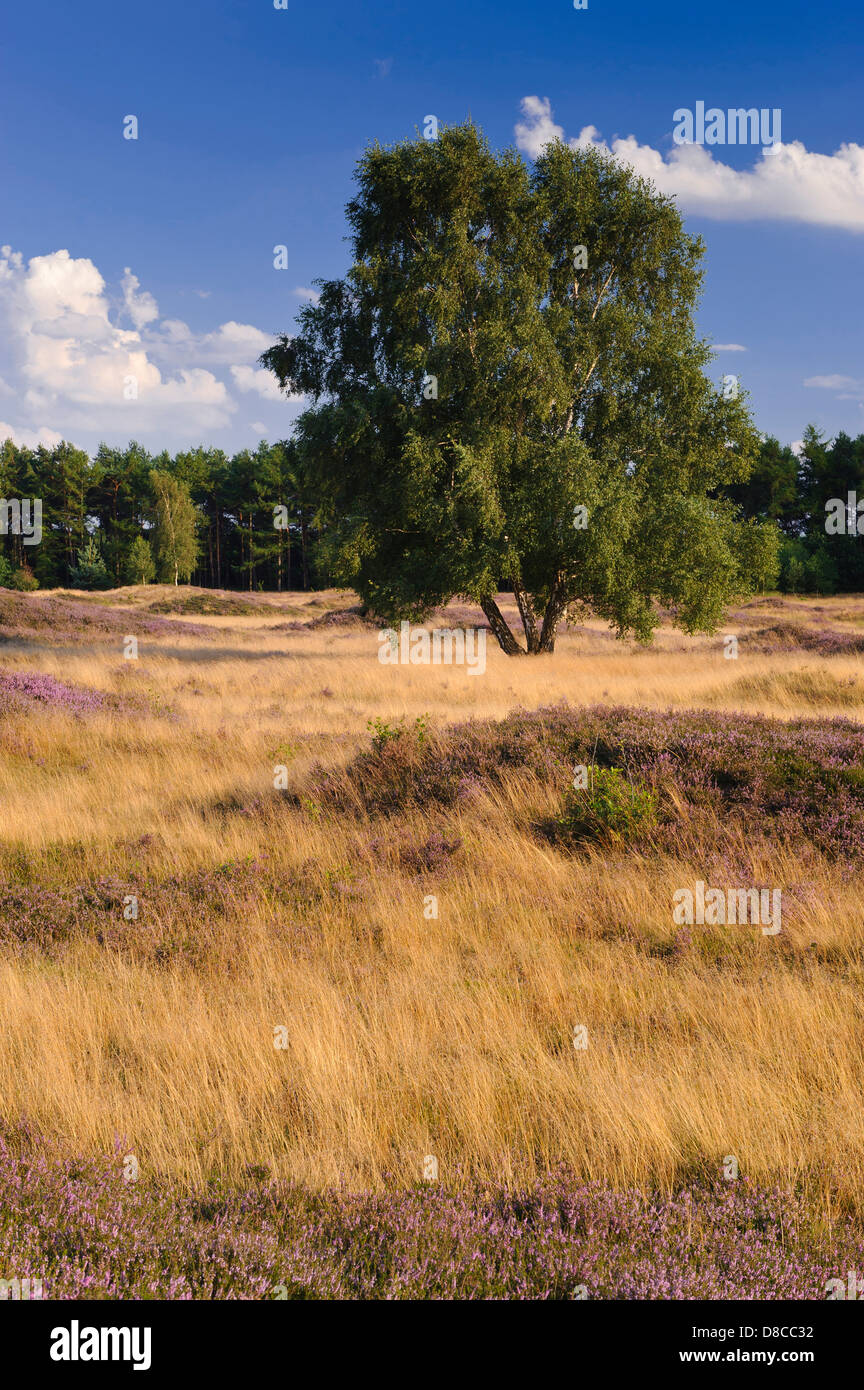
539, 636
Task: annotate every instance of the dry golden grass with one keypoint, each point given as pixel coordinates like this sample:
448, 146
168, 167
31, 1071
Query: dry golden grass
407, 1036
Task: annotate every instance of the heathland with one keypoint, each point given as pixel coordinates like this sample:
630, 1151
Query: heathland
279, 922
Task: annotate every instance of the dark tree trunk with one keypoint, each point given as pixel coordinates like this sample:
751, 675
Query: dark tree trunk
506, 641
529, 618
304, 548
552, 617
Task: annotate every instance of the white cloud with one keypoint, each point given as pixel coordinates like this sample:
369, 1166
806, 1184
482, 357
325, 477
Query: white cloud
30, 439
260, 380
831, 383
67, 362
848, 388
234, 342
538, 129
140, 306
312, 295
174, 342
70, 362
787, 182
729, 347
176, 331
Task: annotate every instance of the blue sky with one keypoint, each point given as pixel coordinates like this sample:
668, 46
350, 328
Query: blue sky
153, 258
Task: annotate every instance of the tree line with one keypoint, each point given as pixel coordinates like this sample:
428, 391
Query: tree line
127, 517
804, 494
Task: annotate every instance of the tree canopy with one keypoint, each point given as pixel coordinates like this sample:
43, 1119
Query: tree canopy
508, 388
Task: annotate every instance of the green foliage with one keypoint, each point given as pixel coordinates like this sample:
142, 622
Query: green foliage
611, 807
384, 732
772, 491
110, 495
806, 567
175, 531
23, 579
792, 490
557, 386
119, 494
139, 566
757, 545
90, 571
284, 752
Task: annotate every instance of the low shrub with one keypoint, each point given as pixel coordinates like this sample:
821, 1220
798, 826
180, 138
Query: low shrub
610, 807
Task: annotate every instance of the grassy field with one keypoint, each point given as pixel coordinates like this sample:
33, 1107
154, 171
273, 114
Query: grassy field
301, 916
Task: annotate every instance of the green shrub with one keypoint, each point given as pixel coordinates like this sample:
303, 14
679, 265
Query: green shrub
384, 733
24, 580
610, 807
90, 572
806, 567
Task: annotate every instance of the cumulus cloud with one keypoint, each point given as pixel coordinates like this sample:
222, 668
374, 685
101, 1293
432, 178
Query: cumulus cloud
140, 305
72, 367
312, 295
30, 439
174, 343
250, 379
235, 342
786, 183
729, 347
260, 381
538, 128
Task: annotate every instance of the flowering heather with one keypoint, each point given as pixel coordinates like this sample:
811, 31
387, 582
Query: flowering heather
430, 855
799, 782
88, 1234
41, 917
38, 618
21, 690
787, 637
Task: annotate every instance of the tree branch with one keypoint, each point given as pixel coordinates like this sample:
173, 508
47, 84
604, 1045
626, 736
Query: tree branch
601, 294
